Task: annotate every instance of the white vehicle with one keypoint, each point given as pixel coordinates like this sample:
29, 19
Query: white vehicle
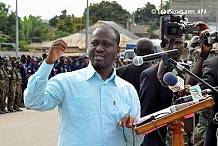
129, 52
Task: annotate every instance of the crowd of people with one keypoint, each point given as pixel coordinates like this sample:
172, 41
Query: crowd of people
107, 94
15, 71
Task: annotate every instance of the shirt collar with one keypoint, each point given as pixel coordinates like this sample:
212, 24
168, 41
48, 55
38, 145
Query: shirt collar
91, 72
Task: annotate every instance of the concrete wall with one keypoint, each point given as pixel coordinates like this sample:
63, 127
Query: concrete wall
20, 53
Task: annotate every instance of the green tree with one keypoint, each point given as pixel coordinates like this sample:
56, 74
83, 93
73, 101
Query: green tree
107, 11
8, 26
4, 21
4, 38
53, 21
144, 15
66, 24
63, 15
166, 5
34, 29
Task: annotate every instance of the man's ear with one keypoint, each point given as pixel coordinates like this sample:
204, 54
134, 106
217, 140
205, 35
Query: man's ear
118, 50
135, 50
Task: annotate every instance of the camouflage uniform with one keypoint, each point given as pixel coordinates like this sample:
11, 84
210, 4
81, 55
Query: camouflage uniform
188, 123
2, 80
199, 132
197, 136
187, 133
18, 96
5, 88
12, 86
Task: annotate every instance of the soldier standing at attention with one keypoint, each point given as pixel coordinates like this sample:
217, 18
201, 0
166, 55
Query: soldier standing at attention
18, 93
2, 77
5, 84
12, 85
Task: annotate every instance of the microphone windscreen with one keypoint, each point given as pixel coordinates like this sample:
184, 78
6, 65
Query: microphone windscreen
137, 60
170, 79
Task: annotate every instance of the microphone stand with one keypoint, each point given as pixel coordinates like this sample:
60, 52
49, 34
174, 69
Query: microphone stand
183, 69
175, 120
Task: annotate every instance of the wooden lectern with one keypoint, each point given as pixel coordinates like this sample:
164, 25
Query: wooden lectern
175, 120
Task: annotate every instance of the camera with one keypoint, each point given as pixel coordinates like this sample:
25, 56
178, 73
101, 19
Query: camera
174, 26
210, 38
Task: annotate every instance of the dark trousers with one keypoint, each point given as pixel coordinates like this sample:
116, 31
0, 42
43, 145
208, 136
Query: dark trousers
211, 139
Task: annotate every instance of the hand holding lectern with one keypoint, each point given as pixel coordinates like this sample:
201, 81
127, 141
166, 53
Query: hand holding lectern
175, 119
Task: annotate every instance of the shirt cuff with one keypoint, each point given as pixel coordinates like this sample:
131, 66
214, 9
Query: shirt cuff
44, 70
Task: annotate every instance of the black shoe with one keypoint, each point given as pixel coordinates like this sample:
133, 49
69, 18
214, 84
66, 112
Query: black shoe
2, 112
22, 105
17, 109
11, 110
5, 111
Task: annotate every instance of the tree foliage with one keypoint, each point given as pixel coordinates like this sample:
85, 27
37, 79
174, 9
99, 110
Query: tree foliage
67, 23
144, 15
166, 5
34, 29
4, 22
107, 11
149, 16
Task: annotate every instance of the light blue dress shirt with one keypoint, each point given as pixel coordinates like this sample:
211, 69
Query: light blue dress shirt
89, 107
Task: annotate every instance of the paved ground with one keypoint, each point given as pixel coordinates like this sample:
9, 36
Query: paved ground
29, 128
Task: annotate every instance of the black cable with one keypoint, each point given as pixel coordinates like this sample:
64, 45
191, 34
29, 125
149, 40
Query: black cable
159, 133
153, 117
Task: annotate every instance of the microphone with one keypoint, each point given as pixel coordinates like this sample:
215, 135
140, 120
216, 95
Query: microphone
139, 60
189, 97
164, 112
153, 116
183, 69
174, 82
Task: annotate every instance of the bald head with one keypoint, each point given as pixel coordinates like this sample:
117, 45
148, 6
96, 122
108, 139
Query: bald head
144, 46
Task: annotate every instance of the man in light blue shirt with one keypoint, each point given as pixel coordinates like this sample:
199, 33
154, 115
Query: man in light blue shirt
96, 107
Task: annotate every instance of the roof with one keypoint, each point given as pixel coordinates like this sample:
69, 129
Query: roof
78, 40
73, 54
37, 45
73, 40
122, 30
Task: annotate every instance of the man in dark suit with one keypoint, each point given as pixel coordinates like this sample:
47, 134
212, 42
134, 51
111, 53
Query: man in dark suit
154, 96
131, 72
210, 75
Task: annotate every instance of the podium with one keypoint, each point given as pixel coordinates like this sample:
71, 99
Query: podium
175, 120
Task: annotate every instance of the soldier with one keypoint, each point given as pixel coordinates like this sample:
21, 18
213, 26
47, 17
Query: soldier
86, 61
69, 64
80, 63
23, 71
12, 85
198, 136
61, 66
5, 85
2, 77
32, 68
18, 94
